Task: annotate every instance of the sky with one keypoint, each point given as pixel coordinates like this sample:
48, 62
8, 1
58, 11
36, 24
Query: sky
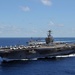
33, 18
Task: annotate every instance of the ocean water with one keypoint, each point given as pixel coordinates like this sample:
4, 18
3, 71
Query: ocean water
59, 66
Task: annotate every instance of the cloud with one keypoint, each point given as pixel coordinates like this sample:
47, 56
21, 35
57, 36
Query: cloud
9, 29
25, 8
34, 31
47, 2
72, 30
51, 23
60, 25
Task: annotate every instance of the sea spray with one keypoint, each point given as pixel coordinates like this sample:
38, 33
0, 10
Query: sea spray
63, 56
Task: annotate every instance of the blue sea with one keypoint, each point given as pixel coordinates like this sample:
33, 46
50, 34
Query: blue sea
59, 66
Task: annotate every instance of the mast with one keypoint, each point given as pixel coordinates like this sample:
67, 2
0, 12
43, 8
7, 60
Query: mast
49, 33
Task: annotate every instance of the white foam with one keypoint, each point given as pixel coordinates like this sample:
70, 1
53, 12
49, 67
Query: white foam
71, 55
34, 59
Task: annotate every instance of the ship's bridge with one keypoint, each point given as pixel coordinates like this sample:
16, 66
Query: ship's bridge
49, 38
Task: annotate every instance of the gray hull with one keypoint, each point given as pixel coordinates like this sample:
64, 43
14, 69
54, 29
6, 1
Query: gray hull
36, 53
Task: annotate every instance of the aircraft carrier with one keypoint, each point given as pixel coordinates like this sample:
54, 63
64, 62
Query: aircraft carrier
36, 50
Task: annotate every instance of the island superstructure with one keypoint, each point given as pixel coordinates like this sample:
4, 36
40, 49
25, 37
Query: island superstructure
35, 49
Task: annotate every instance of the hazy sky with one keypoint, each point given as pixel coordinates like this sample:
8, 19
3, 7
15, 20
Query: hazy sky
33, 18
